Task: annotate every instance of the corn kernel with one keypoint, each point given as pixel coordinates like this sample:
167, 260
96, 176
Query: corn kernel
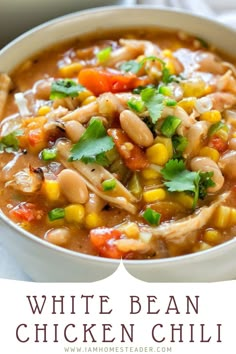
184, 199
131, 230
170, 66
140, 58
194, 88
145, 236
149, 173
233, 216
51, 189
70, 70
157, 154
201, 246
74, 213
25, 225
88, 100
212, 237
167, 53
152, 182
83, 95
167, 142
213, 116
187, 104
154, 195
212, 153
221, 217
44, 110
93, 220
208, 89
234, 135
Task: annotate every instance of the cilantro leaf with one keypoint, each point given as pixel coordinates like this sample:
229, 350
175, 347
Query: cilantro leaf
154, 102
10, 142
92, 145
205, 182
131, 66
179, 179
179, 143
65, 88
139, 89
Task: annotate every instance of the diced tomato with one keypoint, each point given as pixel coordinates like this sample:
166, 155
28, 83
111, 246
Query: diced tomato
101, 81
103, 240
35, 137
218, 143
134, 158
25, 212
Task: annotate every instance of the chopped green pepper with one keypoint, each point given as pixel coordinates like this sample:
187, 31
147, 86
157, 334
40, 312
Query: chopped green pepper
152, 217
57, 213
170, 125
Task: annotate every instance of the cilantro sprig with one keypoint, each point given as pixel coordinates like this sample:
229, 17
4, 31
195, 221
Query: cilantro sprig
179, 179
134, 66
93, 145
154, 102
10, 142
65, 88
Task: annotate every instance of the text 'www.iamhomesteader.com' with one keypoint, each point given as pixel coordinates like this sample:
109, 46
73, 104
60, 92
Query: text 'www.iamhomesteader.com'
97, 349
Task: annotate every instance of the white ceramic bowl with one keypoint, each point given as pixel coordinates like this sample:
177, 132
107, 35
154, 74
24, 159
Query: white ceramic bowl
45, 262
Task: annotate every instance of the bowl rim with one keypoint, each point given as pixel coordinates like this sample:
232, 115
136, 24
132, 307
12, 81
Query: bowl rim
86, 257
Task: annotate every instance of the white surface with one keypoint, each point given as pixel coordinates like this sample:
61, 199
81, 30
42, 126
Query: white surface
8, 266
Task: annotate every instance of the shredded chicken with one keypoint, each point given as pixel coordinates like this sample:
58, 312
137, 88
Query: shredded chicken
82, 114
179, 229
27, 181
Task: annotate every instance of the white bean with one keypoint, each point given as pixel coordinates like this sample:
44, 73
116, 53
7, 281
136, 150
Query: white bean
59, 237
95, 204
205, 164
228, 163
135, 128
73, 187
42, 89
197, 132
74, 130
232, 144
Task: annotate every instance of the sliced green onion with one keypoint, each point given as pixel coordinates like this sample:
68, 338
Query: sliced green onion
136, 105
57, 213
170, 103
170, 125
104, 54
49, 154
109, 184
165, 90
216, 127
152, 217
